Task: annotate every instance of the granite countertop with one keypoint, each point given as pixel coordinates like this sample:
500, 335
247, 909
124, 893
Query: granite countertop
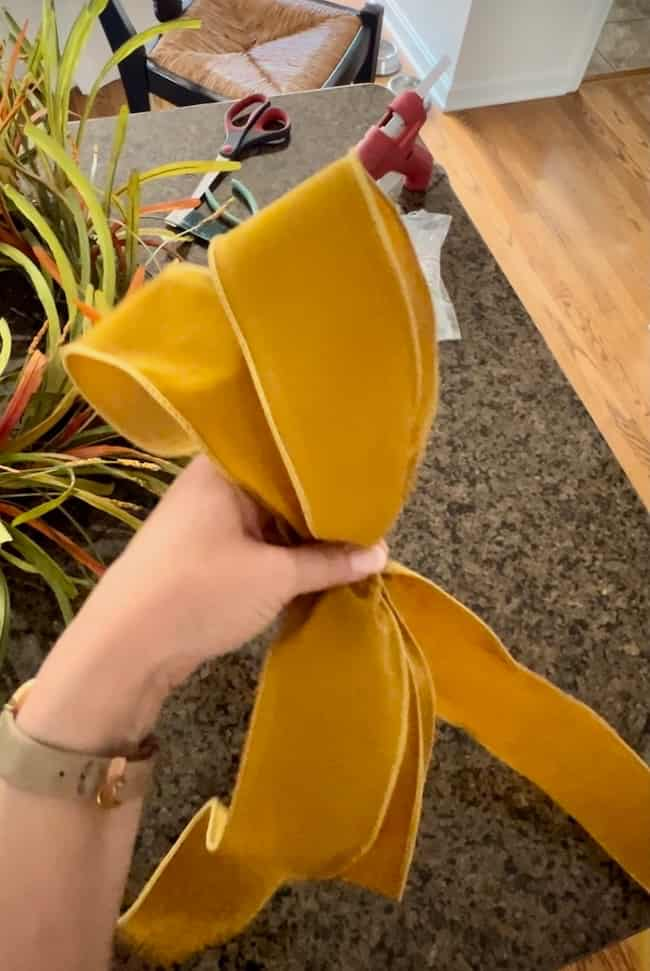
522, 513
324, 125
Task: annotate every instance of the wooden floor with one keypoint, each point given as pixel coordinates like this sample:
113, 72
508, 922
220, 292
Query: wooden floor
560, 190
630, 955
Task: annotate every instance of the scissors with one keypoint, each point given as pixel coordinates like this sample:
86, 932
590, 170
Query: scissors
205, 229
250, 124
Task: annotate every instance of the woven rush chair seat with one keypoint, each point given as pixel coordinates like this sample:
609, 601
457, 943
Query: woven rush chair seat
268, 46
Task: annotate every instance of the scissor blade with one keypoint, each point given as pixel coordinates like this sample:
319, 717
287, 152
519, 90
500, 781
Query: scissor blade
177, 216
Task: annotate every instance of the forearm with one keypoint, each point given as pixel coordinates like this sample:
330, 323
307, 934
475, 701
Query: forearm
64, 866
197, 581
65, 861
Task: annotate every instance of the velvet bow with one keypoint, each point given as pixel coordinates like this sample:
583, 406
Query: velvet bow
302, 360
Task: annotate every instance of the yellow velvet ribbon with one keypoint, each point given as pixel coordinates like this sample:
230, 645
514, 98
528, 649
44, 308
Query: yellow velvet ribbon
303, 362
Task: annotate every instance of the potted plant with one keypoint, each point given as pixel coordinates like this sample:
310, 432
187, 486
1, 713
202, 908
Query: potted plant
69, 250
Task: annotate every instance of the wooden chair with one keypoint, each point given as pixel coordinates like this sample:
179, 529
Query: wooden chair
272, 46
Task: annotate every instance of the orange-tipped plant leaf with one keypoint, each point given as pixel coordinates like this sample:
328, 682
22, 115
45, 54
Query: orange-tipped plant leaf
90, 312
73, 549
28, 384
6, 215
75, 424
11, 67
5, 120
47, 263
6, 236
136, 280
190, 202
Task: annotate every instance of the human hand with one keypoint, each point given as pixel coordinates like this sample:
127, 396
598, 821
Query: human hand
196, 581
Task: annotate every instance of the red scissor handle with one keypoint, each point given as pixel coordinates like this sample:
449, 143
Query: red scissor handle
253, 121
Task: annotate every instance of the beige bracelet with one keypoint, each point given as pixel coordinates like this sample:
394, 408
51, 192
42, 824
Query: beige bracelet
47, 771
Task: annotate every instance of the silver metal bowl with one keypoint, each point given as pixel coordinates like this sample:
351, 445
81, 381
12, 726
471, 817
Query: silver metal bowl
388, 61
404, 82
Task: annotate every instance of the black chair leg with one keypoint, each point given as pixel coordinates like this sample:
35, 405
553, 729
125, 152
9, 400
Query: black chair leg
168, 9
133, 69
372, 16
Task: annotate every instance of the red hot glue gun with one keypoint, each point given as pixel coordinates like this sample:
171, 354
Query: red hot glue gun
393, 145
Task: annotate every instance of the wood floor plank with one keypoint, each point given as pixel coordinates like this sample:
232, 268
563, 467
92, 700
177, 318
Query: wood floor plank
632, 954
625, 107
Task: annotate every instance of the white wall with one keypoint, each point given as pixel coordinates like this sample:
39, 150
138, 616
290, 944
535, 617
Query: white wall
427, 30
518, 49
97, 51
500, 50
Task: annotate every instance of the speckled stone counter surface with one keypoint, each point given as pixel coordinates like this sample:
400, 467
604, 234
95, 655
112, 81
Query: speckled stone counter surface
522, 512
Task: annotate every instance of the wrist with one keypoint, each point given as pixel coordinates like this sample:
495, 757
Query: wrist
93, 694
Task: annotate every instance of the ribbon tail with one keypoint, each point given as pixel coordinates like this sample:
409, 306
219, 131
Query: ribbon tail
325, 745
557, 742
197, 896
384, 868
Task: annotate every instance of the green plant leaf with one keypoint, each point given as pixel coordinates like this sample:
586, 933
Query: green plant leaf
89, 195
5, 344
74, 46
35, 57
43, 291
92, 436
51, 55
92, 492
27, 567
132, 44
72, 200
119, 135
15, 29
5, 535
192, 167
44, 507
149, 483
97, 488
18, 562
61, 585
112, 507
52, 460
101, 302
132, 225
50, 238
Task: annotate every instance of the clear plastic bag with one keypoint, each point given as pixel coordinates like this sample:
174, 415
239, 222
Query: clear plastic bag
428, 231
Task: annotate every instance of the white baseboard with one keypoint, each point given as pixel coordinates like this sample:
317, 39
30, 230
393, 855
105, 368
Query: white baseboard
474, 94
419, 54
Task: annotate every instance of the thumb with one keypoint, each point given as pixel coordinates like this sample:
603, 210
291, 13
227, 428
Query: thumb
318, 566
